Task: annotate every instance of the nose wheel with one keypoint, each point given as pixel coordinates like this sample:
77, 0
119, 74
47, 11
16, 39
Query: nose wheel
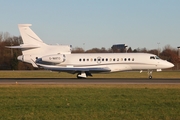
150, 74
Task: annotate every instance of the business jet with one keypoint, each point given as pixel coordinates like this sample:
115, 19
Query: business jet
59, 58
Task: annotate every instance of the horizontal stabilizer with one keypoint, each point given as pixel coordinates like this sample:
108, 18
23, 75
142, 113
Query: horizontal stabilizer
25, 25
23, 46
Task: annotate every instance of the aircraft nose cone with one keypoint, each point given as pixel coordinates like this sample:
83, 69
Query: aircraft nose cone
171, 65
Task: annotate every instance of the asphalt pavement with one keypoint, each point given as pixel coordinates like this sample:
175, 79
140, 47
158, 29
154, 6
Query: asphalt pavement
86, 81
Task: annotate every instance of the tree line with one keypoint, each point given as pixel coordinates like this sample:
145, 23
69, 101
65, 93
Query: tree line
8, 57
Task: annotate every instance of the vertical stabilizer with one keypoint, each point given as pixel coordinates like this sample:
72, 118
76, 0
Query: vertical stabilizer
33, 47
28, 36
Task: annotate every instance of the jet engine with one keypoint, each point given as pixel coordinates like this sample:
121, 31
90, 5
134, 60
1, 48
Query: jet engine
55, 59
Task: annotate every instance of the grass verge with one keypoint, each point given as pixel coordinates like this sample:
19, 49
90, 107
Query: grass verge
49, 74
97, 102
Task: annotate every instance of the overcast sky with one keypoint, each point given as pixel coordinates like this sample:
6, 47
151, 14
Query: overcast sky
96, 23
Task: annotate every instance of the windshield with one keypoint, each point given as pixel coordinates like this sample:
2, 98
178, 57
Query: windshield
157, 57
154, 57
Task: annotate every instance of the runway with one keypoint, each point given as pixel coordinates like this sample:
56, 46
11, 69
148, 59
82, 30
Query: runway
86, 81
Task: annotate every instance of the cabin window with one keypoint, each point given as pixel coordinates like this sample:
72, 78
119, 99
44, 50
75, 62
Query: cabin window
102, 59
94, 59
117, 59
99, 59
129, 59
114, 59
79, 59
106, 59
132, 59
87, 59
124, 59
83, 59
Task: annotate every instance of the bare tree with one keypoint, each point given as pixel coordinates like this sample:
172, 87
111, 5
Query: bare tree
78, 50
1, 36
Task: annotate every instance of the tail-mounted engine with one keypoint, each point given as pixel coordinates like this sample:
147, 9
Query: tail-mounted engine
54, 59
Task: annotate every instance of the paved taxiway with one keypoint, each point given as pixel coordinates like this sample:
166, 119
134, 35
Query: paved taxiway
87, 81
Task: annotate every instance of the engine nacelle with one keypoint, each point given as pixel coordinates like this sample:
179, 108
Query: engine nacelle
57, 58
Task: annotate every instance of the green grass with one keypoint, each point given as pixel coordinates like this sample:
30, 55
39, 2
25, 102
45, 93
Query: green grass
90, 102
49, 74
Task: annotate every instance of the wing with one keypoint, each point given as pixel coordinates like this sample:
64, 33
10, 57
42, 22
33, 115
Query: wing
71, 69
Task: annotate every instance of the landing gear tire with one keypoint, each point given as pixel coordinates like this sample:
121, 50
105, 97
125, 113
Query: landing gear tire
150, 74
78, 76
81, 75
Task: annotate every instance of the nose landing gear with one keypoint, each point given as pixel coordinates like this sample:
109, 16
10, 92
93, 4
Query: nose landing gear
150, 74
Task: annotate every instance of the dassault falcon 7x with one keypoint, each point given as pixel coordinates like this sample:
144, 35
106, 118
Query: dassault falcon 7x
59, 58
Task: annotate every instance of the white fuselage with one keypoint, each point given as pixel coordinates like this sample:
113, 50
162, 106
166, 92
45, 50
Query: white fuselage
59, 58
113, 61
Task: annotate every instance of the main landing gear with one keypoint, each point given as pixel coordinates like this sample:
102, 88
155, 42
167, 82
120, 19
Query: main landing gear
83, 75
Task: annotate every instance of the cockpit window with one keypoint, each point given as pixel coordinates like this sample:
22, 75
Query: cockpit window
157, 57
152, 57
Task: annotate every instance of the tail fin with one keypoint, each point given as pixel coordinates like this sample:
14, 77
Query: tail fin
31, 42
28, 36
33, 47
